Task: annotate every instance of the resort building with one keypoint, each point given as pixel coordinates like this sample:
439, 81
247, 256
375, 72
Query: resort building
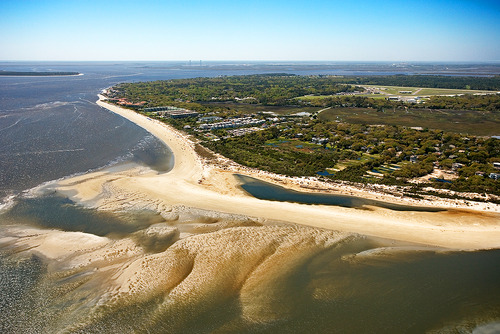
172, 112
232, 123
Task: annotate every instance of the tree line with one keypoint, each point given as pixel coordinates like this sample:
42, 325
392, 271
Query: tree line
427, 81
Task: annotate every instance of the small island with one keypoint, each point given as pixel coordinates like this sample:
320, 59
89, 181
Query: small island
36, 74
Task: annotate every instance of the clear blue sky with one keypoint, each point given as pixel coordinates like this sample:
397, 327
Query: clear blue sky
329, 30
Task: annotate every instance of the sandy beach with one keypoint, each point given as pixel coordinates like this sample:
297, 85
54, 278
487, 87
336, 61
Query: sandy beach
194, 184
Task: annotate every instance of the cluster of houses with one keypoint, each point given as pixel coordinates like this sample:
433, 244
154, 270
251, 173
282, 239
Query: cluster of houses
319, 141
413, 99
237, 126
495, 176
243, 131
110, 93
455, 166
124, 102
232, 123
172, 112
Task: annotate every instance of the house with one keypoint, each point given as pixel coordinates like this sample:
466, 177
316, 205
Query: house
494, 176
181, 113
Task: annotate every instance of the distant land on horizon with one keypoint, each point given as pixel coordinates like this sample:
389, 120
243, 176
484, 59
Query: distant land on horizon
343, 68
37, 74
366, 68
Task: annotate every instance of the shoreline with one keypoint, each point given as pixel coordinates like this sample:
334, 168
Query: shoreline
41, 76
194, 183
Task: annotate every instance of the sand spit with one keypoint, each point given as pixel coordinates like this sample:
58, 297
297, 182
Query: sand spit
194, 184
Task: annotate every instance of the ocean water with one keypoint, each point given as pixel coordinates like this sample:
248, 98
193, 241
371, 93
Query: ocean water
230, 275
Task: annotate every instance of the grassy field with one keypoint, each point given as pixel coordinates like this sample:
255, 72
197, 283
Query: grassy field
478, 123
293, 144
347, 163
381, 171
376, 172
416, 91
394, 90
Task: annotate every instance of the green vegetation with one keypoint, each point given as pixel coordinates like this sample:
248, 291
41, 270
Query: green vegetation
416, 91
283, 159
251, 108
276, 89
489, 102
356, 139
470, 114
428, 81
360, 149
480, 123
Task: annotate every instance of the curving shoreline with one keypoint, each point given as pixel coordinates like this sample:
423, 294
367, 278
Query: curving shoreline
195, 184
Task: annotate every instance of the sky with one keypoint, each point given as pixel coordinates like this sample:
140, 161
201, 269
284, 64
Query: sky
281, 30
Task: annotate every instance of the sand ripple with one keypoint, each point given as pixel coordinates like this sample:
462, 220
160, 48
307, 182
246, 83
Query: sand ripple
251, 267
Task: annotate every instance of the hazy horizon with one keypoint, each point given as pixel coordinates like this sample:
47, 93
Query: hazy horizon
264, 61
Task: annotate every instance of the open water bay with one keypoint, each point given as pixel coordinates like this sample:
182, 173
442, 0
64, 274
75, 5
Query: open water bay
199, 273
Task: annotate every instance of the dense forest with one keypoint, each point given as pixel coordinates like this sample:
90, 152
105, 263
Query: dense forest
274, 89
282, 88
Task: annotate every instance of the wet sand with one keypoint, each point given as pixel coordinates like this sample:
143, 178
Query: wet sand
200, 272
